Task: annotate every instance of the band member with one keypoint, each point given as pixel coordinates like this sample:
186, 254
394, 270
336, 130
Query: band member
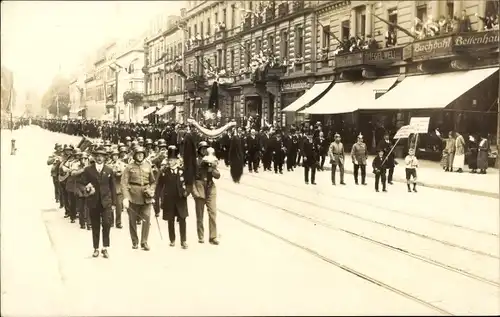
102, 202
336, 155
253, 148
118, 166
63, 174
279, 153
74, 165
171, 191
81, 193
55, 160
379, 169
293, 146
411, 170
386, 146
138, 185
359, 154
310, 157
205, 192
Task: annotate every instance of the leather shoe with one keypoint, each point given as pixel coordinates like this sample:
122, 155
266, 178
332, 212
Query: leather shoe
105, 253
201, 241
96, 253
172, 243
184, 245
135, 246
145, 247
214, 241
119, 226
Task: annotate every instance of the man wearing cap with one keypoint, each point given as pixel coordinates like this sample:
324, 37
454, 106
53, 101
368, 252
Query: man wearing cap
100, 186
279, 152
118, 166
54, 160
138, 186
172, 192
336, 155
81, 193
359, 155
386, 146
74, 165
205, 193
63, 174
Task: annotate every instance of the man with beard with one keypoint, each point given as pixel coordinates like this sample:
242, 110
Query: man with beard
253, 152
172, 193
138, 185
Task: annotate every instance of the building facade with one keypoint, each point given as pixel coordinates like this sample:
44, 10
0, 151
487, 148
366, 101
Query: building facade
163, 86
130, 87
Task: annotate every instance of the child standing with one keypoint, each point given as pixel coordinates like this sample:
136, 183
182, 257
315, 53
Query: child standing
379, 168
411, 170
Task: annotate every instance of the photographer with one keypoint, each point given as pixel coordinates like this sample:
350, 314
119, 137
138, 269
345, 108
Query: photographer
205, 192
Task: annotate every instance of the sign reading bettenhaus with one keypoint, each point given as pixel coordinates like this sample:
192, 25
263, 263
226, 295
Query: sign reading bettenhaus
477, 39
432, 48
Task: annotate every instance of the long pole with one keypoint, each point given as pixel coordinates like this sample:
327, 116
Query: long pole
497, 163
116, 95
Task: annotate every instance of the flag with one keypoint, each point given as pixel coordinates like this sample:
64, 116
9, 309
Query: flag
331, 34
394, 25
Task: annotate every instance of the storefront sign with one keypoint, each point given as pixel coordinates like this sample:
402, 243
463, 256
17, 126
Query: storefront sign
420, 124
478, 39
433, 48
407, 52
222, 81
295, 85
349, 60
384, 56
176, 98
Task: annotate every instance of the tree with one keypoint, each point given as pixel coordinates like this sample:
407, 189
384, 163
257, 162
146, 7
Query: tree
57, 96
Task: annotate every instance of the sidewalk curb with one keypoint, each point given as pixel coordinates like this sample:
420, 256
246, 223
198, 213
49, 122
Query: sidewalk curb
435, 186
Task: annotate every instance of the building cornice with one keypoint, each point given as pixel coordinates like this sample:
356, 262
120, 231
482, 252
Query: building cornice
138, 50
332, 5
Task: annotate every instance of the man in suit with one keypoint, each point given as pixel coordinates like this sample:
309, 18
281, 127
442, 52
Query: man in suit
386, 146
253, 147
102, 202
310, 156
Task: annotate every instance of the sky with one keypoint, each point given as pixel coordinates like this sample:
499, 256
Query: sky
39, 38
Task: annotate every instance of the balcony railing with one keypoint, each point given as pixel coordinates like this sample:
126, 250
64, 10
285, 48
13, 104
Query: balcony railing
297, 6
220, 35
258, 20
270, 13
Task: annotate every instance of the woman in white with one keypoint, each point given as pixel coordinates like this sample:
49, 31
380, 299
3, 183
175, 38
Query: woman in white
459, 160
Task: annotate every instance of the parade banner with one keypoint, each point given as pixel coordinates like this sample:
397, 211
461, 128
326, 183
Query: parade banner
421, 124
404, 132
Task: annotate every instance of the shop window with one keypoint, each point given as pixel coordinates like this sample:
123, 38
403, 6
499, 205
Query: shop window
345, 29
422, 12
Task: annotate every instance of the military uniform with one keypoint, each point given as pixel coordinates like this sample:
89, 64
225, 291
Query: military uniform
63, 174
55, 160
138, 185
118, 166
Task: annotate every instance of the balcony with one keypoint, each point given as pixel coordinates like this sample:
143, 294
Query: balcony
258, 20
379, 58
297, 6
195, 83
220, 35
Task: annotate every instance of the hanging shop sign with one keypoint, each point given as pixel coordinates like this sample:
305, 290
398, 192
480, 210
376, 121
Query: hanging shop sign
476, 40
432, 48
295, 85
389, 55
349, 60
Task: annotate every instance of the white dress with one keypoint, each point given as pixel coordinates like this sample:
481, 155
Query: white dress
458, 160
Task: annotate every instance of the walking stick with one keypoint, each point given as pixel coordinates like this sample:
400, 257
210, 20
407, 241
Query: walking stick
159, 229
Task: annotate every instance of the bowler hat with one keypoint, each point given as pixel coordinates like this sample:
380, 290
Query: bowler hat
100, 151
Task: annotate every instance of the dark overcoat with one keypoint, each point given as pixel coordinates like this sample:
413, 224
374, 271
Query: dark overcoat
171, 194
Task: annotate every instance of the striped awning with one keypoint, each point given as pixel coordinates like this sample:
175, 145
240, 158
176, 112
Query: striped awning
148, 111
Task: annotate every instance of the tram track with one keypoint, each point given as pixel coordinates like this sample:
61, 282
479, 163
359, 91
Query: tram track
370, 240
385, 208
382, 224
343, 267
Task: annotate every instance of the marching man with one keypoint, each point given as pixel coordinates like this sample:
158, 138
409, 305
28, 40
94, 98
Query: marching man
171, 191
138, 188
205, 192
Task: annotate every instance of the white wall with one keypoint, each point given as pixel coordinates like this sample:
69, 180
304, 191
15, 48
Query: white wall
133, 81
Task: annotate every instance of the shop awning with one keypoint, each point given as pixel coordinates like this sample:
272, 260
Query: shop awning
349, 96
434, 91
165, 109
307, 97
148, 111
78, 110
